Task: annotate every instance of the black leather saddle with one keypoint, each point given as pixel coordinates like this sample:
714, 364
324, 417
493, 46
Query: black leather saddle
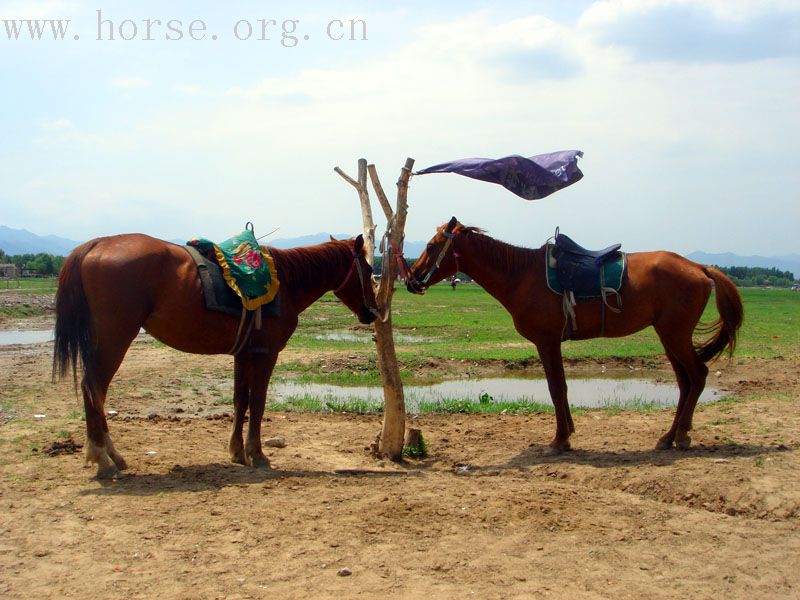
580, 270
568, 245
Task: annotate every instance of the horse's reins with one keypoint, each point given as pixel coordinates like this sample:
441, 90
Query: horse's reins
402, 264
356, 266
241, 340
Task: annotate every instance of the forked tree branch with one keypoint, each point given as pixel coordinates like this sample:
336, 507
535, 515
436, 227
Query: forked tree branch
366, 209
376, 185
346, 177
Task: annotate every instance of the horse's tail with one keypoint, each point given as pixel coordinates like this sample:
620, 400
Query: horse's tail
731, 315
73, 333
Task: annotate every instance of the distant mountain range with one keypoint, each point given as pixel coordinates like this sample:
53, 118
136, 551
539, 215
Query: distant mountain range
21, 241
411, 249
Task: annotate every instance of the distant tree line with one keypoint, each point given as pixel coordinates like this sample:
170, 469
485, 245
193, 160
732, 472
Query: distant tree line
758, 276
42, 263
48, 264
741, 276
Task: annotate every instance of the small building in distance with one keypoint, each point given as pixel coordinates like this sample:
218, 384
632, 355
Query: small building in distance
8, 271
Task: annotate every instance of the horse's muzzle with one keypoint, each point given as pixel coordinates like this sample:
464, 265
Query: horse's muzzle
415, 287
367, 315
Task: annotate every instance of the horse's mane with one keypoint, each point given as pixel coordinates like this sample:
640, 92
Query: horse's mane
510, 257
306, 266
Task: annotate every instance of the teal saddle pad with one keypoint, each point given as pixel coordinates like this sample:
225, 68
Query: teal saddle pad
247, 268
582, 276
217, 294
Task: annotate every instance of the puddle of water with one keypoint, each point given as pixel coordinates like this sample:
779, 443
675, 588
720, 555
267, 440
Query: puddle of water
413, 339
344, 337
588, 393
9, 338
366, 338
17, 337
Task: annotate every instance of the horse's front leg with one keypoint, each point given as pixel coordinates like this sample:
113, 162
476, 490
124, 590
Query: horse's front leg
241, 395
261, 367
550, 353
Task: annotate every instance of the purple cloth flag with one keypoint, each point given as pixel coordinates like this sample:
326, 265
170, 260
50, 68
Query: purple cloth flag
530, 178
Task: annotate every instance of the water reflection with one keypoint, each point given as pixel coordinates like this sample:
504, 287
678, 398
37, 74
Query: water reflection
9, 338
588, 393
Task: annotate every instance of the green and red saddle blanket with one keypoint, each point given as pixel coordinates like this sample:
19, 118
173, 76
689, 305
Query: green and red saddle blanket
247, 268
578, 274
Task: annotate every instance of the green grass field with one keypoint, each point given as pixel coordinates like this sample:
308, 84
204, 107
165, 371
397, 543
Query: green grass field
469, 324
30, 285
13, 288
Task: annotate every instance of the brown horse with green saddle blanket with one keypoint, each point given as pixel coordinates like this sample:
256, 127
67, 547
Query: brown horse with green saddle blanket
661, 289
111, 287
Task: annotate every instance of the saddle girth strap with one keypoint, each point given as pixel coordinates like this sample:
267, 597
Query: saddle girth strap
241, 340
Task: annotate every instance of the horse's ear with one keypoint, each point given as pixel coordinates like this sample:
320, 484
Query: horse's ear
359, 245
333, 239
453, 222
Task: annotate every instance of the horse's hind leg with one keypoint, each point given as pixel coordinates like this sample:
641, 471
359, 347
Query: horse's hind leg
698, 372
99, 447
666, 441
97, 435
681, 351
241, 393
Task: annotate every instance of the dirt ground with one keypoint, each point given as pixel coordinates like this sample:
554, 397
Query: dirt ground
488, 515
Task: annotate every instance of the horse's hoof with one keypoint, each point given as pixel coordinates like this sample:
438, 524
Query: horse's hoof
120, 462
259, 462
556, 448
663, 445
684, 443
237, 456
109, 473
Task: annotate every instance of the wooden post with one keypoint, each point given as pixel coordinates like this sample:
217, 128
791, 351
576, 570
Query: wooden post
394, 408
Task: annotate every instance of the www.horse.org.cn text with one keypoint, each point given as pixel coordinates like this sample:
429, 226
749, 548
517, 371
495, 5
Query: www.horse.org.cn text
287, 32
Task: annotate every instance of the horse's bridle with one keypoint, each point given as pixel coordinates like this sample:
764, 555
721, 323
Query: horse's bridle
356, 266
450, 242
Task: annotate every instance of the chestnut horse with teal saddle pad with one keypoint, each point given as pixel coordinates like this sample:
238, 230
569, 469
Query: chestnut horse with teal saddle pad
661, 289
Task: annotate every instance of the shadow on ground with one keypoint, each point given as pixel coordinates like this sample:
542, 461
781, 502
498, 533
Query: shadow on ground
215, 476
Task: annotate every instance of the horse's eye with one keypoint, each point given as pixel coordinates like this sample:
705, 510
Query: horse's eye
430, 247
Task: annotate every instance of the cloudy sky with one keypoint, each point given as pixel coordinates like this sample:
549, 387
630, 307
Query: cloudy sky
687, 112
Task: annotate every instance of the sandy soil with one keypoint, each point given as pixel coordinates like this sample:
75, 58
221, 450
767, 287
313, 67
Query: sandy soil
488, 515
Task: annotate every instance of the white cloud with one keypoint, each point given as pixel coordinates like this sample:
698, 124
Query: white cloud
63, 131
130, 83
187, 88
606, 12
60, 124
696, 30
39, 9
666, 143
